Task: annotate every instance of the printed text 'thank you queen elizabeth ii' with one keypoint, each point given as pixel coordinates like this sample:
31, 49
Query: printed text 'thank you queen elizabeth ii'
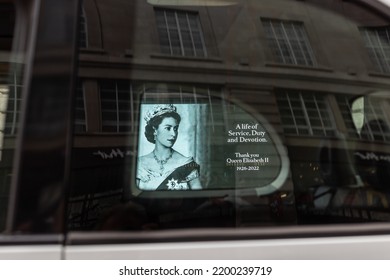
246, 133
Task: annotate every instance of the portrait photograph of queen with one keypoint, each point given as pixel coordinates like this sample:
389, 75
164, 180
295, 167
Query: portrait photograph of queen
167, 145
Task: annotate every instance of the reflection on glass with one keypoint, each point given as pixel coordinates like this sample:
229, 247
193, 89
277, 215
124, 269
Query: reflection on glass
11, 64
239, 73
358, 114
4, 91
193, 2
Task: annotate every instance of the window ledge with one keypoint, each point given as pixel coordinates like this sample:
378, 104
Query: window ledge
92, 51
319, 137
187, 58
379, 74
128, 53
104, 134
299, 67
110, 134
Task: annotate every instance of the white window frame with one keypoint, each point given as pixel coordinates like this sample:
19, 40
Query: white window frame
117, 124
12, 104
328, 130
296, 43
196, 50
378, 47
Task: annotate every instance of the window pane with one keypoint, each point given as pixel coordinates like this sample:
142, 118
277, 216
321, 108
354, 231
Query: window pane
289, 42
304, 110
83, 33
378, 43
141, 54
80, 122
179, 33
11, 86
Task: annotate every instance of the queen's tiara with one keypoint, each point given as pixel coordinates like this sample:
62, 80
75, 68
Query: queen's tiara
159, 110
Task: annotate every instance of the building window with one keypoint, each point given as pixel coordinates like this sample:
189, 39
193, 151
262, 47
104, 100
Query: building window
180, 33
80, 124
11, 92
376, 123
289, 42
83, 30
119, 100
377, 41
116, 99
305, 113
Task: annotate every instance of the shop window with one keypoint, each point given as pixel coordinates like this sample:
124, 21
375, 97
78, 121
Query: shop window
225, 165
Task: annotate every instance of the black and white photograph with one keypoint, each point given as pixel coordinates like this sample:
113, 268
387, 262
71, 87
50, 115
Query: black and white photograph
168, 147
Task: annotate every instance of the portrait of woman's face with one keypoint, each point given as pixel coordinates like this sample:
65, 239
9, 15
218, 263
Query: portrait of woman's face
167, 131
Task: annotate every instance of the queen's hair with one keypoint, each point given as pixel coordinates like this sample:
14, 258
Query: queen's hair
153, 124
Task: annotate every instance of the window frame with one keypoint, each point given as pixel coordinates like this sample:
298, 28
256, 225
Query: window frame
377, 52
115, 98
306, 115
273, 41
375, 108
83, 29
166, 28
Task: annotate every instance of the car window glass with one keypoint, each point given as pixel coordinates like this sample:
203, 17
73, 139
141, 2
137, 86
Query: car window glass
11, 85
230, 114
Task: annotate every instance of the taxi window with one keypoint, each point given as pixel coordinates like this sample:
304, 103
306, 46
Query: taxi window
11, 85
234, 113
